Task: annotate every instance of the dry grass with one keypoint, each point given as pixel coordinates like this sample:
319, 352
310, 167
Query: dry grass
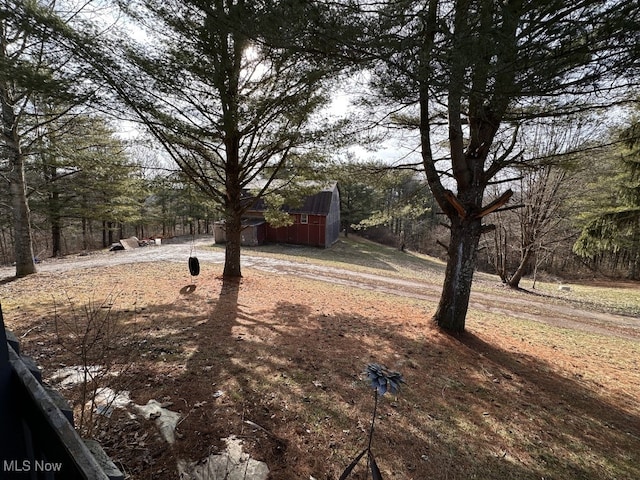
510, 399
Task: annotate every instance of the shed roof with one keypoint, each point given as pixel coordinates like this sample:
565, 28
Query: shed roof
316, 204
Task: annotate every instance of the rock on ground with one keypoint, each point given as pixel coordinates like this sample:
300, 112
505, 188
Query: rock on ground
232, 464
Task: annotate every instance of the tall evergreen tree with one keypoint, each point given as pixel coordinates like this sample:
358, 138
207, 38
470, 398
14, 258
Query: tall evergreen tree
31, 74
476, 72
81, 173
225, 91
611, 222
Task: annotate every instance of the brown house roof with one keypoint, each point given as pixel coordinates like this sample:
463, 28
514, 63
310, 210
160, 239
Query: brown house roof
316, 204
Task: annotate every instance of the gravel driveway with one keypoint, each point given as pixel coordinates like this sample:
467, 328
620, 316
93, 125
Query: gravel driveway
520, 306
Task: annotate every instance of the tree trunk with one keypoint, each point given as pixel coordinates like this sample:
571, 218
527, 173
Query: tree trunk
233, 227
85, 240
3, 246
56, 237
634, 267
105, 239
56, 223
514, 281
454, 301
25, 264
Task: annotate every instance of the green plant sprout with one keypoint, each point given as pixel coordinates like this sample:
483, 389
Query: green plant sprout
382, 380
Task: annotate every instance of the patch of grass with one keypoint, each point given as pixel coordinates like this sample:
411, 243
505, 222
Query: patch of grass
358, 254
621, 297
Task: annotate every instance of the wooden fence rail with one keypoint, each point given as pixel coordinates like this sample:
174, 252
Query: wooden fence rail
37, 437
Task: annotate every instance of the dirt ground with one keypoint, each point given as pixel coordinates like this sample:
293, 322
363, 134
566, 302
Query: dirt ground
535, 389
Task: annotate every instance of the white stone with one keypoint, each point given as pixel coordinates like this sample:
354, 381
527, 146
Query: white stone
70, 376
165, 420
232, 464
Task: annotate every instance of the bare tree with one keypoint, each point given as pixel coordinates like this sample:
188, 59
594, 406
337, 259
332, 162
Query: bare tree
541, 195
537, 219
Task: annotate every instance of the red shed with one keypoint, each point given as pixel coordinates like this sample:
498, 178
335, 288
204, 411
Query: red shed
315, 223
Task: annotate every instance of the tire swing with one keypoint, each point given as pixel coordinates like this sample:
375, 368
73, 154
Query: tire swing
194, 263
194, 266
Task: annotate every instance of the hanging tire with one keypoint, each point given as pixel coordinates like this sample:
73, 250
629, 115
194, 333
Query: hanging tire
194, 266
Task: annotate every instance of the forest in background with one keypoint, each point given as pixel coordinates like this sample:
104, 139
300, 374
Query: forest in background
96, 188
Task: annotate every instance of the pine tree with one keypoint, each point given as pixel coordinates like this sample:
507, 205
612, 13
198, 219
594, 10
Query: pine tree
31, 74
611, 226
82, 173
225, 92
473, 74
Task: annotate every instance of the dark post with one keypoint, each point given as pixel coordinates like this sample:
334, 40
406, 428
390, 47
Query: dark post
8, 421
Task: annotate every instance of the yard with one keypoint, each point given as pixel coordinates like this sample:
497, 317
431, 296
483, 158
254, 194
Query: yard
542, 385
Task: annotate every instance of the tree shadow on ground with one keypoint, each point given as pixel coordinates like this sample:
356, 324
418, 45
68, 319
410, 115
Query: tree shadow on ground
468, 408
567, 419
6, 280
